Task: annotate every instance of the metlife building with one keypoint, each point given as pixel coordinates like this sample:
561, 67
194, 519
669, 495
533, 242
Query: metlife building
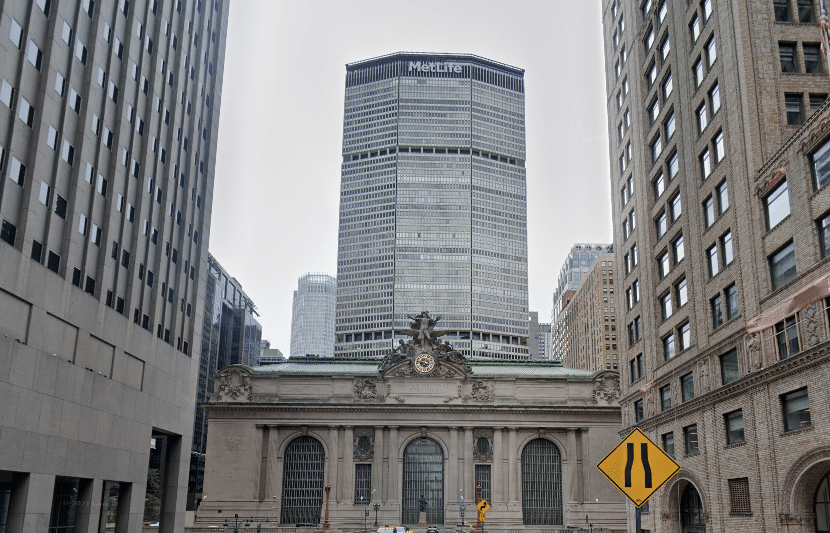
433, 204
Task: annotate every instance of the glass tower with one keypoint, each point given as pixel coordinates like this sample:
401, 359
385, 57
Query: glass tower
312, 317
433, 204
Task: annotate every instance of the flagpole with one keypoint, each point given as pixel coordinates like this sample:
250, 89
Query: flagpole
824, 24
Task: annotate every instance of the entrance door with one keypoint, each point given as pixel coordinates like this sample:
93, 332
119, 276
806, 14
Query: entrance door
822, 504
423, 477
691, 511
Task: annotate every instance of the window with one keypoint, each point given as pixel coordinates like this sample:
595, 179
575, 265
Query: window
674, 166
636, 366
656, 148
702, 118
694, 28
687, 386
777, 204
786, 337
60, 206
820, 164
806, 12
815, 102
712, 257
782, 266
74, 100
651, 75
734, 423
670, 125
638, 411
8, 232
35, 56
717, 311
662, 11
705, 164
660, 185
786, 52
112, 92
665, 306
649, 40
80, 51
26, 112
685, 336
634, 259
714, 97
682, 292
52, 138
720, 147
812, 59
660, 224
675, 208
729, 367
709, 211
668, 444
707, 9
792, 106
16, 34
697, 70
17, 171
722, 191
679, 251
654, 110
53, 262
44, 194
726, 244
667, 87
795, 406
663, 265
824, 235
782, 10
668, 347
665, 48
690, 436
739, 495
665, 398
68, 152
362, 481
711, 52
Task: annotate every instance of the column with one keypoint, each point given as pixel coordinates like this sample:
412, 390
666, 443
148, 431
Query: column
469, 477
274, 471
331, 475
513, 465
584, 487
377, 465
348, 465
394, 480
497, 481
452, 467
387, 480
265, 441
572, 474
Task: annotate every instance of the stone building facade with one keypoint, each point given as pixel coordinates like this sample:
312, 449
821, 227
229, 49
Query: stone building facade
422, 422
718, 130
585, 334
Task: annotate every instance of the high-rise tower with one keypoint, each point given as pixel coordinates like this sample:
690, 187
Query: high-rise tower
108, 128
433, 207
312, 316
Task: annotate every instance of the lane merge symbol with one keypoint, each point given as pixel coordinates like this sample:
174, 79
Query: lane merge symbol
629, 449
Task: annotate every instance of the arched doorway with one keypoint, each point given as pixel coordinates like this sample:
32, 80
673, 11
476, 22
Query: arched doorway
822, 505
302, 482
541, 483
691, 511
423, 475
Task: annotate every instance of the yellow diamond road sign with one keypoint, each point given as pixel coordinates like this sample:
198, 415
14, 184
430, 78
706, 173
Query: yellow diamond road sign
483, 506
638, 467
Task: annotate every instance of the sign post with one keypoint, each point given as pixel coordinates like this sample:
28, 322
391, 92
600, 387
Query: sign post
638, 468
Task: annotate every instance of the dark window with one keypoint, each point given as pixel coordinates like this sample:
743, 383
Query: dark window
795, 406
786, 52
717, 311
362, 483
484, 480
90, 285
812, 58
8, 232
690, 438
76, 277
60, 206
638, 411
665, 398
53, 263
786, 337
729, 367
821, 165
792, 105
777, 204
668, 444
734, 423
125, 258
824, 235
109, 298
119, 305
739, 496
37, 251
806, 11
782, 266
687, 386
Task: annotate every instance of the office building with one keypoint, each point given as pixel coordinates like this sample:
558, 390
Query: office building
718, 144
231, 335
585, 334
108, 128
538, 338
433, 204
312, 316
579, 261
331, 440
268, 355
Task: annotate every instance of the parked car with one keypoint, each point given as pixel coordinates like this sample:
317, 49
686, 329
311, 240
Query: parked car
393, 529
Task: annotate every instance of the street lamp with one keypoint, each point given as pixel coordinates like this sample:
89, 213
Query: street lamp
236, 523
462, 506
376, 506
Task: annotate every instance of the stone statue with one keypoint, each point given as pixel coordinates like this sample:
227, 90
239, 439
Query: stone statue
422, 329
423, 503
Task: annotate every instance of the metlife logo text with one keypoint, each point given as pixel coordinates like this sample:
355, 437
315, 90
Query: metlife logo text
424, 66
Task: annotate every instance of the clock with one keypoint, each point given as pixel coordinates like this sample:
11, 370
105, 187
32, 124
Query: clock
424, 363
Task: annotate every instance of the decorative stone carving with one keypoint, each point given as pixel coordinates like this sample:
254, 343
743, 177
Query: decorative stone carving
365, 389
606, 387
483, 391
810, 324
364, 444
424, 355
703, 375
483, 450
234, 385
753, 350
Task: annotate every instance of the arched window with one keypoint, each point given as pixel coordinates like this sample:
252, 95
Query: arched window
302, 482
423, 476
823, 505
541, 483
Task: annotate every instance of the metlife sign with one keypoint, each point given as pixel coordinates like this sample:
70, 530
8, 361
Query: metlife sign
431, 66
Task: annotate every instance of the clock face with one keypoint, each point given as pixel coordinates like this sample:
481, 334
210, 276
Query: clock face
424, 363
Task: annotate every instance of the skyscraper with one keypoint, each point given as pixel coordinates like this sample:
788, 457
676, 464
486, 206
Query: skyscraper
108, 128
312, 316
433, 208
579, 261
720, 206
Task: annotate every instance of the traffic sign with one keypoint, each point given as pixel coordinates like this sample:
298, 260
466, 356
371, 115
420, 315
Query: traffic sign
638, 467
483, 517
483, 506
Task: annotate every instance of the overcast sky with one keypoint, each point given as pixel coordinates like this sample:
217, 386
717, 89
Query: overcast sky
276, 194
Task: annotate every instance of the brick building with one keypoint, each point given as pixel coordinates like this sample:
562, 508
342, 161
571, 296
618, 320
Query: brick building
585, 334
718, 145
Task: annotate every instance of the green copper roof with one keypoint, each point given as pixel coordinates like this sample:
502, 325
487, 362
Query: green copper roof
491, 368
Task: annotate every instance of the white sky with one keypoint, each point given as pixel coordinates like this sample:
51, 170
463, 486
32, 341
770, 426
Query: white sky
276, 194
